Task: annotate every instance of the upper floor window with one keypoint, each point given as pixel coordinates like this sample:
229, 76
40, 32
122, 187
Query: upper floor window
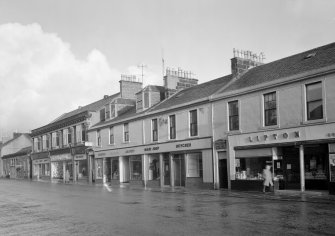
83, 133
44, 142
48, 143
69, 135
98, 138
193, 123
314, 101
270, 109
39, 144
57, 139
102, 114
111, 135
233, 116
126, 132
172, 124
146, 99
154, 126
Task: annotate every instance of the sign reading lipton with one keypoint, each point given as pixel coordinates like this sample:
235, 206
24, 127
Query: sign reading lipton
194, 144
274, 136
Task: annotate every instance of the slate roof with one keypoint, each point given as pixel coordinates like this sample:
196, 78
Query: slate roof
21, 152
292, 65
90, 107
194, 93
155, 88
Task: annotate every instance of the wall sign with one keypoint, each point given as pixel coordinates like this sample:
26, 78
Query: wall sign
79, 157
274, 136
64, 157
220, 144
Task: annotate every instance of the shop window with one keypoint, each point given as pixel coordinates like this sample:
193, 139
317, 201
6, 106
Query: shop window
251, 168
315, 163
102, 114
115, 170
98, 168
233, 116
126, 132
136, 168
154, 126
82, 169
153, 167
111, 135
194, 165
172, 123
193, 123
314, 101
270, 109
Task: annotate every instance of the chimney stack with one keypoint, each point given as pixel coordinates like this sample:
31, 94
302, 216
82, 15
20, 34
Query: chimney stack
129, 86
244, 60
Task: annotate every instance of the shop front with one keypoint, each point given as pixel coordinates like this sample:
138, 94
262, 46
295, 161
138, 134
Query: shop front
80, 168
299, 159
61, 166
187, 163
41, 169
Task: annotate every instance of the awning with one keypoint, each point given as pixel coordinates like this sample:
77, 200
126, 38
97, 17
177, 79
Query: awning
260, 152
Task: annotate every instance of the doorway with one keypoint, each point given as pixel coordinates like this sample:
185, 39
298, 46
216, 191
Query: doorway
291, 168
166, 170
179, 170
223, 173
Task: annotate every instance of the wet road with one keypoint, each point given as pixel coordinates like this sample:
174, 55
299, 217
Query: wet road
31, 208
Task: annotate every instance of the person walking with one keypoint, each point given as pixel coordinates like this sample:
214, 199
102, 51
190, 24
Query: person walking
267, 176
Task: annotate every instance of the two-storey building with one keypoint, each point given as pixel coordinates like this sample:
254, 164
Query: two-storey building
280, 113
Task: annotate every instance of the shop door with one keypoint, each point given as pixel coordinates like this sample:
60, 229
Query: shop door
166, 164
291, 168
108, 170
179, 170
223, 173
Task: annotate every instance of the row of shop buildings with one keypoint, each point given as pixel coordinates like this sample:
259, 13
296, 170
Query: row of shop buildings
218, 134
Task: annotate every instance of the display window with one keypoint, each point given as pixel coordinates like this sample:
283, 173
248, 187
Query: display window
57, 170
115, 170
251, 168
44, 169
98, 168
316, 163
154, 167
82, 169
136, 168
194, 165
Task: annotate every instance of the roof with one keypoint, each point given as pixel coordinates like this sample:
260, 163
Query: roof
90, 107
21, 152
12, 139
154, 88
316, 58
194, 93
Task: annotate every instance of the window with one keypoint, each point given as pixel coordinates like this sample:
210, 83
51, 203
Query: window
102, 114
126, 132
251, 168
83, 133
44, 141
48, 143
270, 109
39, 144
136, 168
314, 101
57, 139
111, 135
154, 126
233, 115
69, 135
193, 123
172, 123
194, 165
98, 138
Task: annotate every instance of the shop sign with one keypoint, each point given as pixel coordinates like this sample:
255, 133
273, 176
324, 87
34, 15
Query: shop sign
39, 155
61, 157
274, 136
220, 144
79, 157
39, 161
79, 150
205, 143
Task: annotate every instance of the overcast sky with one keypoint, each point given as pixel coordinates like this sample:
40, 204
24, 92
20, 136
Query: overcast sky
56, 55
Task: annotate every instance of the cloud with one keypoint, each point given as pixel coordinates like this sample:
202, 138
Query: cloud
40, 77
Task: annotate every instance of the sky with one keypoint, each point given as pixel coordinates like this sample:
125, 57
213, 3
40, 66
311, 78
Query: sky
56, 55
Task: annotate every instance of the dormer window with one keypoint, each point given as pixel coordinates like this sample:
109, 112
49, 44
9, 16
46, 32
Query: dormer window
102, 114
146, 100
113, 110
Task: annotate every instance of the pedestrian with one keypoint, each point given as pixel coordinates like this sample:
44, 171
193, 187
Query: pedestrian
267, 176
67, 176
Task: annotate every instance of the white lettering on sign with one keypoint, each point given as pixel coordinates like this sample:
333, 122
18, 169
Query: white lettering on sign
183, 145
275, 136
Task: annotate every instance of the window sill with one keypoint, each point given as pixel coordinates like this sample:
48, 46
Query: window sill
307, 122
233, 132
125, 142
111, 144
269, 127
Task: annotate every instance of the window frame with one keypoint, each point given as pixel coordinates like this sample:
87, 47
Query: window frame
126, 137
266, 110
172, 127
230, 128
99, 138
103, 112
111, 134
154, 130
307, 118
191, 124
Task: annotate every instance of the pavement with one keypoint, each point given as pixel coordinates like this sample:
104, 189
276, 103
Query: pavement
42, 208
